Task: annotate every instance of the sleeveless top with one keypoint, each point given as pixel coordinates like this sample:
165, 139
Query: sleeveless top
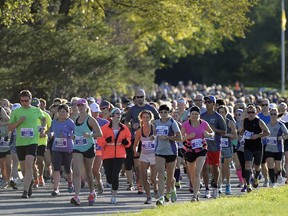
251, 128
81, 143
148, 145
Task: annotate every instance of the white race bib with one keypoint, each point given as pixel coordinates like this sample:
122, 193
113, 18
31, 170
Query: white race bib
148, 145
271, 140
224, 142
248, 134
27, 132
197, 143
80, 141
162, 130
61, 142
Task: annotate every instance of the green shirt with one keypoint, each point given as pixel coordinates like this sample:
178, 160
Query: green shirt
27, 132
43, 141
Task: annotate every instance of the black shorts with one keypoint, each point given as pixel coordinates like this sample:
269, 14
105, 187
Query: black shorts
40, 150
59, 158
180, 152
90, 153
168, 158
276, 155
192, 156
264, 157
50, 143
22, 151
4, 154
257, 155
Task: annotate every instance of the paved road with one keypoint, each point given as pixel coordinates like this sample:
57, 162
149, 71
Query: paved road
42, 203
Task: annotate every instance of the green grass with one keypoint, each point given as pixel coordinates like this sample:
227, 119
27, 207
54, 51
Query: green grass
260, 202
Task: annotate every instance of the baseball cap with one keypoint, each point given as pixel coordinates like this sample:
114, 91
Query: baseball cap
35, 102
91, 99
82, 101
210, 97
272, 106
95, 107
16, 106
105, 103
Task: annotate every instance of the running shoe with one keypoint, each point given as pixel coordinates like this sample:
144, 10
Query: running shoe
41, 182
13, 184
249, 188
207, 194
130, 188
56, 192
140, 189
173, 196
178, 185
228, 189
5, 186
244, 189
75, 200
30, 189
148, 200
279, 179
25, 195
167, 197
256, 183
193, 199
215, 193
70, 187
160, 201
113, 200
265, 184
91, 199
272, 185
36, 183
220, 189
100, 188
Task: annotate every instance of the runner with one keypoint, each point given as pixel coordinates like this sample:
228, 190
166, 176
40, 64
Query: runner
194, 132
25, 121
86, 130
166, 151
253, 130
116, 138
218, 125
274, 148
146, 134
63, 129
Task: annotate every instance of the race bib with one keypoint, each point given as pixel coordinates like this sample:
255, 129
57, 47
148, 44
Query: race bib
148, 145
224, 142
80, 141
242, 141
197, 143
248, 134
271, 140
27, 132
162, 130
61, 142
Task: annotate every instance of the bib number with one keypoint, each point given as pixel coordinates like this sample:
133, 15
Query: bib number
61, 142
148, 145
197, 143
27, 132
80, 141
271, 140
162, 130
248, 134
225, 142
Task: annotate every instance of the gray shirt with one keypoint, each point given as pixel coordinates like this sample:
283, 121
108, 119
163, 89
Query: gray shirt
272, 142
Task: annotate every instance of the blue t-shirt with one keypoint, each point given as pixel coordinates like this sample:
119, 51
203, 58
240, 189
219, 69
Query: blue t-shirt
264, 118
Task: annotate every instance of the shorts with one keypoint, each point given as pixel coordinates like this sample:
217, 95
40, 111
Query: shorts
59, 158
168, 158
264, 157
226, 152
90, 153
276, 155
213, 158
40, 150
257, 155
4, 154
148, 158
22, 151
192, 156
180, 154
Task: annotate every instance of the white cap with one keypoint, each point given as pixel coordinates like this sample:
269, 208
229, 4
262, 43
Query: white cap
16, 106
95, 107
91, 99
272, 106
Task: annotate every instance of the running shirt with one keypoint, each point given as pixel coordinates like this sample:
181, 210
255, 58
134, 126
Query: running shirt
168, 128
216, 120
27, 132
264, 118
44, 140
81, 143
198, 143
148, 145
225, 141
251, 128
272, 142
63, 133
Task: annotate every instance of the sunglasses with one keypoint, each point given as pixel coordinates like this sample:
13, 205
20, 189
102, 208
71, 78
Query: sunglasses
163, 112
251, 112
139, 96
273, 114
102, 108
208, 102
264, 104
238, 114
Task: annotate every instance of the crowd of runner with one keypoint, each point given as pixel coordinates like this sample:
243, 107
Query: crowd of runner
147, 138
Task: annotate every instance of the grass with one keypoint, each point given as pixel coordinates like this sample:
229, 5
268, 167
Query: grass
268, 201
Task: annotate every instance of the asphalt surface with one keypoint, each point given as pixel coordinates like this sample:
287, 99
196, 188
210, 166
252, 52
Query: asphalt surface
42, 203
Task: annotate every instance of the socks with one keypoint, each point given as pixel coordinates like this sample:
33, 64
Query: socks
239, 174
272, 175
